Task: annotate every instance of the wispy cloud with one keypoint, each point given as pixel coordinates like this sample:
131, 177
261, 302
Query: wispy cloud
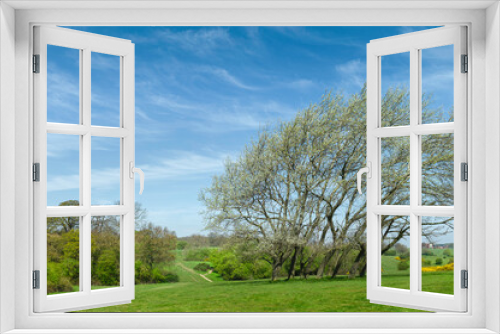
185, 165
226, 116
300, 84
351, 72
306, 36
198, 41
59, 145
224, 75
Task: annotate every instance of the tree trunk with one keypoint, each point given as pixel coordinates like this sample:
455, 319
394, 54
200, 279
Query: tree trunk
322, 266
362, 272
339, 263
275, 272
355, 265
291, 270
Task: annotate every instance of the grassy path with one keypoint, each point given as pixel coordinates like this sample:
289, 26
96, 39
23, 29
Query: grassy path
180, 264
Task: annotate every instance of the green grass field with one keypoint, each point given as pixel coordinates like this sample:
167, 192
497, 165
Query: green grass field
194, 294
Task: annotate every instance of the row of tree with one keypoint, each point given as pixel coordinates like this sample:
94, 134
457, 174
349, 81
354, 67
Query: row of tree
153, 251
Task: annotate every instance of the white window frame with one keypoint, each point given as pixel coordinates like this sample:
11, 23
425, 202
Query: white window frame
413, 43
86, 44
483, 132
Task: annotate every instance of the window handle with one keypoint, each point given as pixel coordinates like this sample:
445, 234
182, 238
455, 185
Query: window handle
132, 171
368, 171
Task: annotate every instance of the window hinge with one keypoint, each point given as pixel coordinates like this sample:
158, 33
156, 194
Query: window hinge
36, 63
36, 172
465, 64
464, 172
465, 279
36, 279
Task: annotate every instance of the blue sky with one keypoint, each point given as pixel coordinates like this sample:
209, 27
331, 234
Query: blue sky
201, 94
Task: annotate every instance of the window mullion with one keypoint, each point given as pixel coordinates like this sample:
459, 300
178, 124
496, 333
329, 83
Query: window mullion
414, 170
85, 165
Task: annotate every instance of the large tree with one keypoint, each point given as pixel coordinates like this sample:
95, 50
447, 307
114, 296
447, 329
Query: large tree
295, 185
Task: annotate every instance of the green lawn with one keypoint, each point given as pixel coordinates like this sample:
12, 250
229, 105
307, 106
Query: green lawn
194, 294
312, 295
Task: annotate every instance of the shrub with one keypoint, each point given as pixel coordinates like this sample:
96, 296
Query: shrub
242, 272
405, 255
108, 273
426, 262
447, 253
390, 252
171, 278
439, 261
427, 252
403, 265
56, 281
197, 254
262, 269
181, 244
202, 266
451, 260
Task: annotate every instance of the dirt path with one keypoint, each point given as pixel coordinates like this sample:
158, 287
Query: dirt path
193, 272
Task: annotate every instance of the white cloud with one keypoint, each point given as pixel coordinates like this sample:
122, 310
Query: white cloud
301, 84
59, 145
102, 61
228, 77
352, 72
63, 182
198, 41
185, 165
229, 115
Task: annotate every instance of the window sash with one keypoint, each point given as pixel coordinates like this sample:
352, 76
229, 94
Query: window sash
413, 43
86, 43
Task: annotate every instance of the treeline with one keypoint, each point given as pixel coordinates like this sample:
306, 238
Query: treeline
153, 256
290, 198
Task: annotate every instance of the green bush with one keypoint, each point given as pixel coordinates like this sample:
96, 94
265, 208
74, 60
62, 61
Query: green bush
171, 278
426, 262
427, 252
142, 273
451, 260
403, 265
242, 272
262, 269
108, 272
439, 261
447, 253
405, 255
56, 281
181, 244
197, 254
390, 252
202, 266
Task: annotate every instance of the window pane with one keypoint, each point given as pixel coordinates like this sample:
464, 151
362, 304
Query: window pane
437, 84
105, 90
63, 255
63, 85
395, 171
63, 170
105, 251
437, 169
105, 171
395, 79
437, 254
395, 249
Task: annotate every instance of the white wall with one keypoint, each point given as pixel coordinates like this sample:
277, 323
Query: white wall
7, 163
492, 149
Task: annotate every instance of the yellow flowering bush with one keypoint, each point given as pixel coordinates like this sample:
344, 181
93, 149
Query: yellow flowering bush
446, 267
